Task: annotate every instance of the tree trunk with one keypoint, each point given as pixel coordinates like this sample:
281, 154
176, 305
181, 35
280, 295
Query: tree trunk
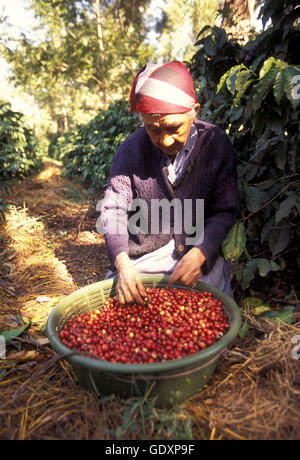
101, 51
240, 20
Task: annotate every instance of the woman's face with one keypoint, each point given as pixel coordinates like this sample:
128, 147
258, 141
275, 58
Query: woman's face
168, 132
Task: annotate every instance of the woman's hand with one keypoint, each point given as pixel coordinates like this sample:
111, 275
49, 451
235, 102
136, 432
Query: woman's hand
188, 270
129, 285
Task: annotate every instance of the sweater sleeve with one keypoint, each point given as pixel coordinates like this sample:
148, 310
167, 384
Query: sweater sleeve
223, 206
114, 210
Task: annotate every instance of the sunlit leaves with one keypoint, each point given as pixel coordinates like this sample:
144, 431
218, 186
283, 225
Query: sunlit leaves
274, 74
63, 71
87, 151
256, 100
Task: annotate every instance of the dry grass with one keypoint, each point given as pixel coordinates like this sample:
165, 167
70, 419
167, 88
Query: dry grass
256, 392
51, 248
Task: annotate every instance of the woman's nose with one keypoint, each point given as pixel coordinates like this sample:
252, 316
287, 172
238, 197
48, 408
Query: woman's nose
166, 140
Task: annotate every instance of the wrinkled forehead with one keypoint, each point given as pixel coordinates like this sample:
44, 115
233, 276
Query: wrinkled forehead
163, 119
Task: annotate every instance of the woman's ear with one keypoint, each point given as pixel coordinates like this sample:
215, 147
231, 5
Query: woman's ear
197, 108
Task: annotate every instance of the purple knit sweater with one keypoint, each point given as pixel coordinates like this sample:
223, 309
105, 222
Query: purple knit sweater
139, 171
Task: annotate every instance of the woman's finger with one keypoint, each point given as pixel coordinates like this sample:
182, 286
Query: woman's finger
136, 295
129, 297
120, 296
178, 273
140, 287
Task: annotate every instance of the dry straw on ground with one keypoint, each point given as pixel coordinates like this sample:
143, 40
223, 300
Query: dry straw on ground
255, 393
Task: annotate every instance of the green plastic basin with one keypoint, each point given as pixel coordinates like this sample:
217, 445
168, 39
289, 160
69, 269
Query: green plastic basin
170, 382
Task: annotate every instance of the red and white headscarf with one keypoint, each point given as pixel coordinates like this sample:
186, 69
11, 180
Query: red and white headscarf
163, 88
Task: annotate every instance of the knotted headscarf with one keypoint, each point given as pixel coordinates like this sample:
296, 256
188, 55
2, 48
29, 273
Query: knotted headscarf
163, 88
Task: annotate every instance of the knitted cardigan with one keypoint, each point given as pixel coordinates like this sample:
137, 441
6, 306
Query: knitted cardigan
139, 171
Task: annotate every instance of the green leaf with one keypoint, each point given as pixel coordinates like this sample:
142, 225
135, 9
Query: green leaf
254, 197
280, 85
274, 266
234, 244
265, 145
232, 77
256, 305
265, 231
279, 239
265, 266
286, 315
128, 418
222, 81
204, 29
249, 273
266, 78
236, 114
209, 47
242, 91
285, 207
242, 78
243, 330
267, 65
13, 333
257, 61
239, 272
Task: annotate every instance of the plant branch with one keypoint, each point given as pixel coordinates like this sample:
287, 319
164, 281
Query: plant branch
274, 180
284, 252
270, 201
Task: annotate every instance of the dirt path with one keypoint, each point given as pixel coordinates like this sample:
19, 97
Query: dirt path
50, 231
69, 217
49, 247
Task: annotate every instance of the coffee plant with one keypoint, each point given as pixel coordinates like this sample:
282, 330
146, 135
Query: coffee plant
20, 152
253, 93
87, 151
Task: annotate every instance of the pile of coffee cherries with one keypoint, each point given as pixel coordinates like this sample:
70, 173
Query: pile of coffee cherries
173, 323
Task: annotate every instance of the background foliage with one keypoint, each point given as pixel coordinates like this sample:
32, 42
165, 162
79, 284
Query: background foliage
20, 153
184, 19
83, 58
253, 93
87, 151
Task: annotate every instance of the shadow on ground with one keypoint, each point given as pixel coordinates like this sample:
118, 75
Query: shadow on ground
68, 214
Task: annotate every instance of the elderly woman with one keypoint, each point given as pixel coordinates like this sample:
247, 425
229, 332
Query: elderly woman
172, 158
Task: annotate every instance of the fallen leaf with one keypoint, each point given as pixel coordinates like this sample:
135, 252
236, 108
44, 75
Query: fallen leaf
41, 342
13, 333
243, 330
256, 305
22, 355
